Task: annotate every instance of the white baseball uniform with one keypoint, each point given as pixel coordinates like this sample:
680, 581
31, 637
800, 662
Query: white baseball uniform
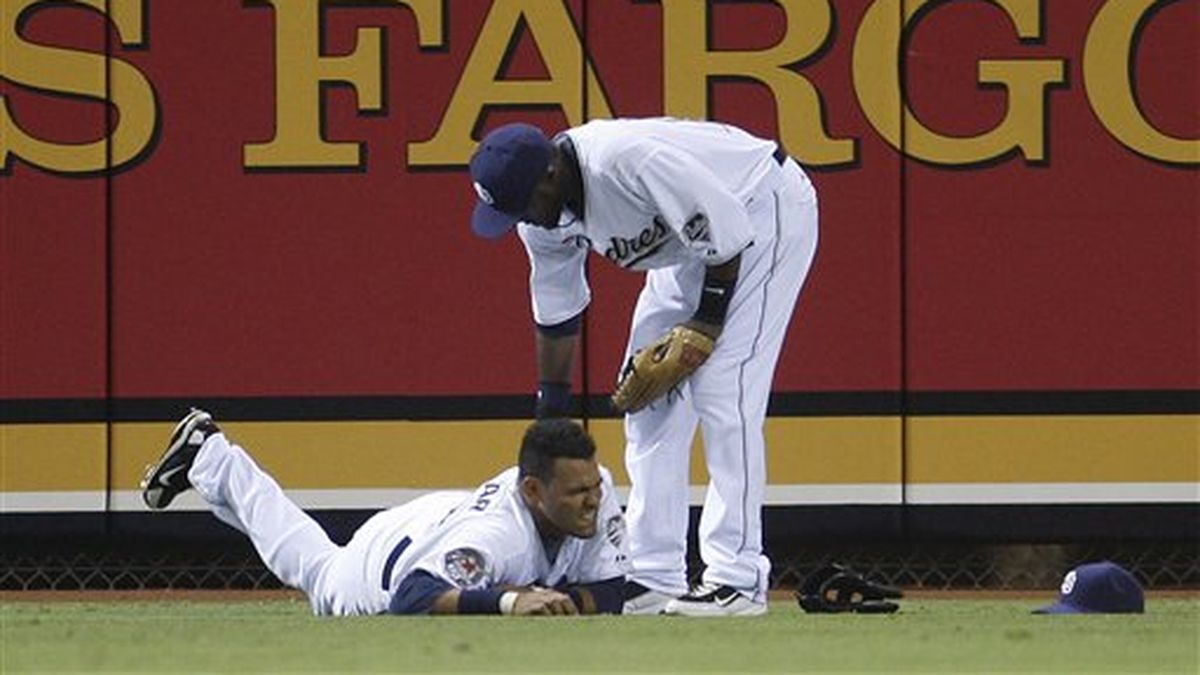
672, 197
471, 540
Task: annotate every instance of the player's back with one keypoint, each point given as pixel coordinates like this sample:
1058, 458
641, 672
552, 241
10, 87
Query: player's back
737, 157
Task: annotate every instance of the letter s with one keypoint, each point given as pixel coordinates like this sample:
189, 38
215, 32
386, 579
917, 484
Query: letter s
77, 73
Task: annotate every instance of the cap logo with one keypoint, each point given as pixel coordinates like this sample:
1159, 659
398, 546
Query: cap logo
1068, 583
484, 195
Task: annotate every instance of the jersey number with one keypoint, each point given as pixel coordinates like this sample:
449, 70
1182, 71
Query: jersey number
485, 496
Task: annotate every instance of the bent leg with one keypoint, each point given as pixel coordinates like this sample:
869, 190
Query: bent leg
289, 541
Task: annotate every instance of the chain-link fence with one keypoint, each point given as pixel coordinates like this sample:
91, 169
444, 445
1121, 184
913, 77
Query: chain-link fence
112, 569
1157, 564
999, 567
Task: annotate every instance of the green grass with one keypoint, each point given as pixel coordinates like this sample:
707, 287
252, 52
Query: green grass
927, 636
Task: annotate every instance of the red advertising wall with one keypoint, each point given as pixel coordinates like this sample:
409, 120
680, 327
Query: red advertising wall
1077, 271
53, 268
273, 204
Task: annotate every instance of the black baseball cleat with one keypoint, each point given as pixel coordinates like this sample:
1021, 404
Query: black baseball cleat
167, 478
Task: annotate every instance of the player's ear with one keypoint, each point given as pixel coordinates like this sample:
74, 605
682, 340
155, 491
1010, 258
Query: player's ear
532, 490
556, 163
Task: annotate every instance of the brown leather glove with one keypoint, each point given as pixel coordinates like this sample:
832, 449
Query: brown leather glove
660, 367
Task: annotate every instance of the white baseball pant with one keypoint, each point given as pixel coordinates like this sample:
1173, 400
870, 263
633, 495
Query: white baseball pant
728, 397
337, 580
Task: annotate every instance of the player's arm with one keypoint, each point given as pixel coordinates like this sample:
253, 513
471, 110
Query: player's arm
556, 346
559, 293
424, 593
712, 222
715, 295
599, 597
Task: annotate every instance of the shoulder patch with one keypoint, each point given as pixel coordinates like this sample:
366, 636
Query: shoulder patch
466, 567
614, 530
696, 229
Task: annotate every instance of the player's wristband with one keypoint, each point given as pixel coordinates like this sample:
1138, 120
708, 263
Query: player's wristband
715, 295
484, 601
553, 399
564, 329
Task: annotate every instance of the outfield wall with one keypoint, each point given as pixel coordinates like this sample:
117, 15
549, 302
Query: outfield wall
261, 207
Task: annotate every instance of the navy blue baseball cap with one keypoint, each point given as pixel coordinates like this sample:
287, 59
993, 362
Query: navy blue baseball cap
506, 167
1098, 588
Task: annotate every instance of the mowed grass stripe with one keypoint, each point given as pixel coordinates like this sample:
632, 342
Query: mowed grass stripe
927, 636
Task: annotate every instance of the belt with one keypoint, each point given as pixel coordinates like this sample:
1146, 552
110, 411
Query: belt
780, 154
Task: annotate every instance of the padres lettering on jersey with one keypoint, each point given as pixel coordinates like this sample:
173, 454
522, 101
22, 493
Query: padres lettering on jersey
657, 192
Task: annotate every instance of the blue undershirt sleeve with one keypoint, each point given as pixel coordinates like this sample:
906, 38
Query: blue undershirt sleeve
609, 595
564, 329
417, 593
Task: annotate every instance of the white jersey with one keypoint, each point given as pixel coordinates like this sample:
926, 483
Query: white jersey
656, 193
488, 538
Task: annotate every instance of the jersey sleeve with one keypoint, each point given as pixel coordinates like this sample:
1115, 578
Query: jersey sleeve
470, 556
710, 220
558, 287
605, 555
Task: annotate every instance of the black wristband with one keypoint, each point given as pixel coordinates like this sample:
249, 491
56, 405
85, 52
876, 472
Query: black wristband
553, 400
564, 329
485, 601
715, 295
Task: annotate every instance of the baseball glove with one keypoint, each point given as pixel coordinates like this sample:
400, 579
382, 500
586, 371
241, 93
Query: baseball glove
654, 371
836, 588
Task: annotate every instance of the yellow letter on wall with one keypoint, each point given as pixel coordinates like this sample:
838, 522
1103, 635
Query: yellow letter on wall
300, 70
877, 64
79, 73
550, 26
1107, 77
689, 63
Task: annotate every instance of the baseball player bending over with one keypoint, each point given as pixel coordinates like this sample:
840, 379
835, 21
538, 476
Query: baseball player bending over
725, 224
543, 537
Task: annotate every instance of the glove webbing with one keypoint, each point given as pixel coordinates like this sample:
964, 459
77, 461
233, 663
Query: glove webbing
836, 588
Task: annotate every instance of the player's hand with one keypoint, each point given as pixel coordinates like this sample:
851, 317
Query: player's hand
544, 603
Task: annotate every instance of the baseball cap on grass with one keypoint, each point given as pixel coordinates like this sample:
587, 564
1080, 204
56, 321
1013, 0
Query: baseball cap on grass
1098, 588
505, 169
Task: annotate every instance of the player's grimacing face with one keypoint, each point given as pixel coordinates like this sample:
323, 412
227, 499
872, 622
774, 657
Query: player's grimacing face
572, 498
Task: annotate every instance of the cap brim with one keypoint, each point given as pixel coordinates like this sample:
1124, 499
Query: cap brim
1058, 608
489, 222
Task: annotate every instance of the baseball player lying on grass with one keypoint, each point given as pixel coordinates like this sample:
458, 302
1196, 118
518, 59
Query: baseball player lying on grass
543, 537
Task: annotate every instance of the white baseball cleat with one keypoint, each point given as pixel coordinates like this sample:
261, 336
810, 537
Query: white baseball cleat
715, 600
642, 600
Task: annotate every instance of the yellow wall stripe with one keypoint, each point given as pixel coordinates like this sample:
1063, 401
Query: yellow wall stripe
801, 451
58, 457
829, 450
1062, 448
462, 453
345, 454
